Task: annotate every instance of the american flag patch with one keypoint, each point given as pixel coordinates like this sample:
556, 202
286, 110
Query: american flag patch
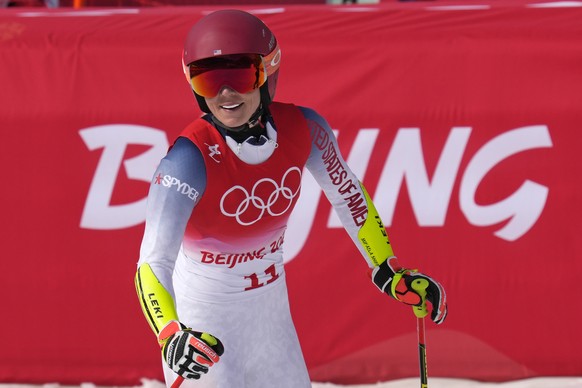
217, 52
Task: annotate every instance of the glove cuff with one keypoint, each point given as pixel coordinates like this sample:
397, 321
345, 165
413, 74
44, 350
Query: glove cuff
169, 330
383, 275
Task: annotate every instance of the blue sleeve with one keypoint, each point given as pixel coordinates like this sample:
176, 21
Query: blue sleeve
177, 186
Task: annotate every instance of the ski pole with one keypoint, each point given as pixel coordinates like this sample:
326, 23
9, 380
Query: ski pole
177, 382
420, 286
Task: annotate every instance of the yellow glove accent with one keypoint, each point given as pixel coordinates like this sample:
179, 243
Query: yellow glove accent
396, 279
209, 339
373, 235
156, 302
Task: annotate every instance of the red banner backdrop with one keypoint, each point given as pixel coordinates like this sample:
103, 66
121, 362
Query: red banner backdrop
461, 121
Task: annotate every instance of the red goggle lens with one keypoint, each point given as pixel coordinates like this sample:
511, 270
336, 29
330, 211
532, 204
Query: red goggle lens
207, 82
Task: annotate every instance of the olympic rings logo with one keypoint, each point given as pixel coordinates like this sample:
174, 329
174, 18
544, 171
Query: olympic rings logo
266, 196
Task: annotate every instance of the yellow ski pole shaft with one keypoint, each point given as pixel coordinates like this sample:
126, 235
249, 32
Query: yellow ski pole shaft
420, 286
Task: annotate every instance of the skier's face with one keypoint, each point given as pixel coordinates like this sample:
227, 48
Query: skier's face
232, 108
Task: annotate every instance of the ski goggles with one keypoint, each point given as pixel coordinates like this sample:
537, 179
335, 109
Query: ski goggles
243, 73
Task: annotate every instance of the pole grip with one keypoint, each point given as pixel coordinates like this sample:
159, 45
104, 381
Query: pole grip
420, 286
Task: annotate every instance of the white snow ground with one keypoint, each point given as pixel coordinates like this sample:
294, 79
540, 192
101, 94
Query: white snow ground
436, 382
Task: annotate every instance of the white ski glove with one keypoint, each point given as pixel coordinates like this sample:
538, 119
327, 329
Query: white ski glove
189, 353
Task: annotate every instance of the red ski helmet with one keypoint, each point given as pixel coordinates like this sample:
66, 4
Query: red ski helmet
233, 32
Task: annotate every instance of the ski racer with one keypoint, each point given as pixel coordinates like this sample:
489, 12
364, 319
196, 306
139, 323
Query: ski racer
210, 276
